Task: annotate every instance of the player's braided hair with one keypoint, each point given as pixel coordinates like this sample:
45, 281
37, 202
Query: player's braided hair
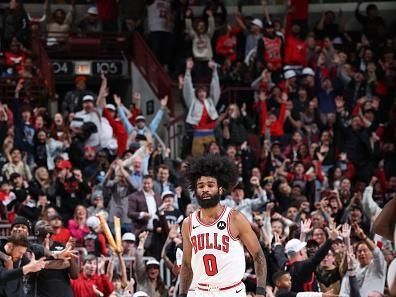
219, 167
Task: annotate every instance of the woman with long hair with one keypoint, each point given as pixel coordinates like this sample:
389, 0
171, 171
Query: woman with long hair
42, 183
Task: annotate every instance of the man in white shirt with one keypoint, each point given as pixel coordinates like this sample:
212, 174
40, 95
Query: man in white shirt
143, 206
371, 272
90, 115
246, 206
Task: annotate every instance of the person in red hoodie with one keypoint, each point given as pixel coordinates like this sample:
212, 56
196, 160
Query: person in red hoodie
110, 113
92, 284
270, 123
295, 46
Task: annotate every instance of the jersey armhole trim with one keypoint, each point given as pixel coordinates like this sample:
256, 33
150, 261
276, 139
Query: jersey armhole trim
189, 224
229, 226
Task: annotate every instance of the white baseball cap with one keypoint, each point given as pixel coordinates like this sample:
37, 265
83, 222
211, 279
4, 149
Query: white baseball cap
257, 22
152, 262
111, 107
93, 222
140, 118
93, 10
88, 98
167, 193
140, 294
308, 71
290, 74
294, 246
128, 237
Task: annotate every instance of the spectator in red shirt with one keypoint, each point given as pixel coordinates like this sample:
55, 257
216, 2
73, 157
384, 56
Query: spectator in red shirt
226, 46
295, 46
16, 55
92, 284
61, 234
269, 120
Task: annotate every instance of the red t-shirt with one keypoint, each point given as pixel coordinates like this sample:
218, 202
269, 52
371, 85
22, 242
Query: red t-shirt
16, 60
205, 123
82, 286
118, 130
62, 236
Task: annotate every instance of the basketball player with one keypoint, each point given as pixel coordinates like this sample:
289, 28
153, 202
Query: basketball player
213, 236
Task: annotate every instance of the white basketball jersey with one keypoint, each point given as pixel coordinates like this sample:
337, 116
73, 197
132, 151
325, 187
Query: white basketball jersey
217, 257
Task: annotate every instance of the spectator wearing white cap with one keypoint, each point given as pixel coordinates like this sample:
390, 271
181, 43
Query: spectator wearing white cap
301, 268
141, 131
90, 115
147, 274
94, 241
72, 101
128, 241
253, 33
90, 23
172, 215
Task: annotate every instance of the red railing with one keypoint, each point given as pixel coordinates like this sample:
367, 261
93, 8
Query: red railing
150, 68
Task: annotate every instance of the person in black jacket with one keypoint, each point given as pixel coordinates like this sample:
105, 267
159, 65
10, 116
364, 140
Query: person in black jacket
12, 268
301, 268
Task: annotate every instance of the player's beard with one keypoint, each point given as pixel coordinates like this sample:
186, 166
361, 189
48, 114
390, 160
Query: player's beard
209, 202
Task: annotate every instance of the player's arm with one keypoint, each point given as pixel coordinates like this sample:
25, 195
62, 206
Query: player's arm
250, 240
186, 273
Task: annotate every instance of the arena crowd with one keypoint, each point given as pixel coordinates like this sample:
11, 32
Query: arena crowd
312, 131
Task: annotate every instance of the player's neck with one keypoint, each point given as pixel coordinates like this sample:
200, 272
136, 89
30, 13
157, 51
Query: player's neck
211, 213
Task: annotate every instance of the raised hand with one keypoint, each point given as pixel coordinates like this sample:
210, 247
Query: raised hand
373, 181
305, 226
142, 238
346, 231
333, 230
34, 265
68, 253
189, 64
117, 100
359, 231
137, 96
243, 108
262, 96
164, 101
101, 265
188, 13
270, 206
19, 86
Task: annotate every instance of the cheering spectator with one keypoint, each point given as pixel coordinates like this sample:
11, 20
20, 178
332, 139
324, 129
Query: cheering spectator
202, 113
148, 278
59, 23
90, 23
91, 283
